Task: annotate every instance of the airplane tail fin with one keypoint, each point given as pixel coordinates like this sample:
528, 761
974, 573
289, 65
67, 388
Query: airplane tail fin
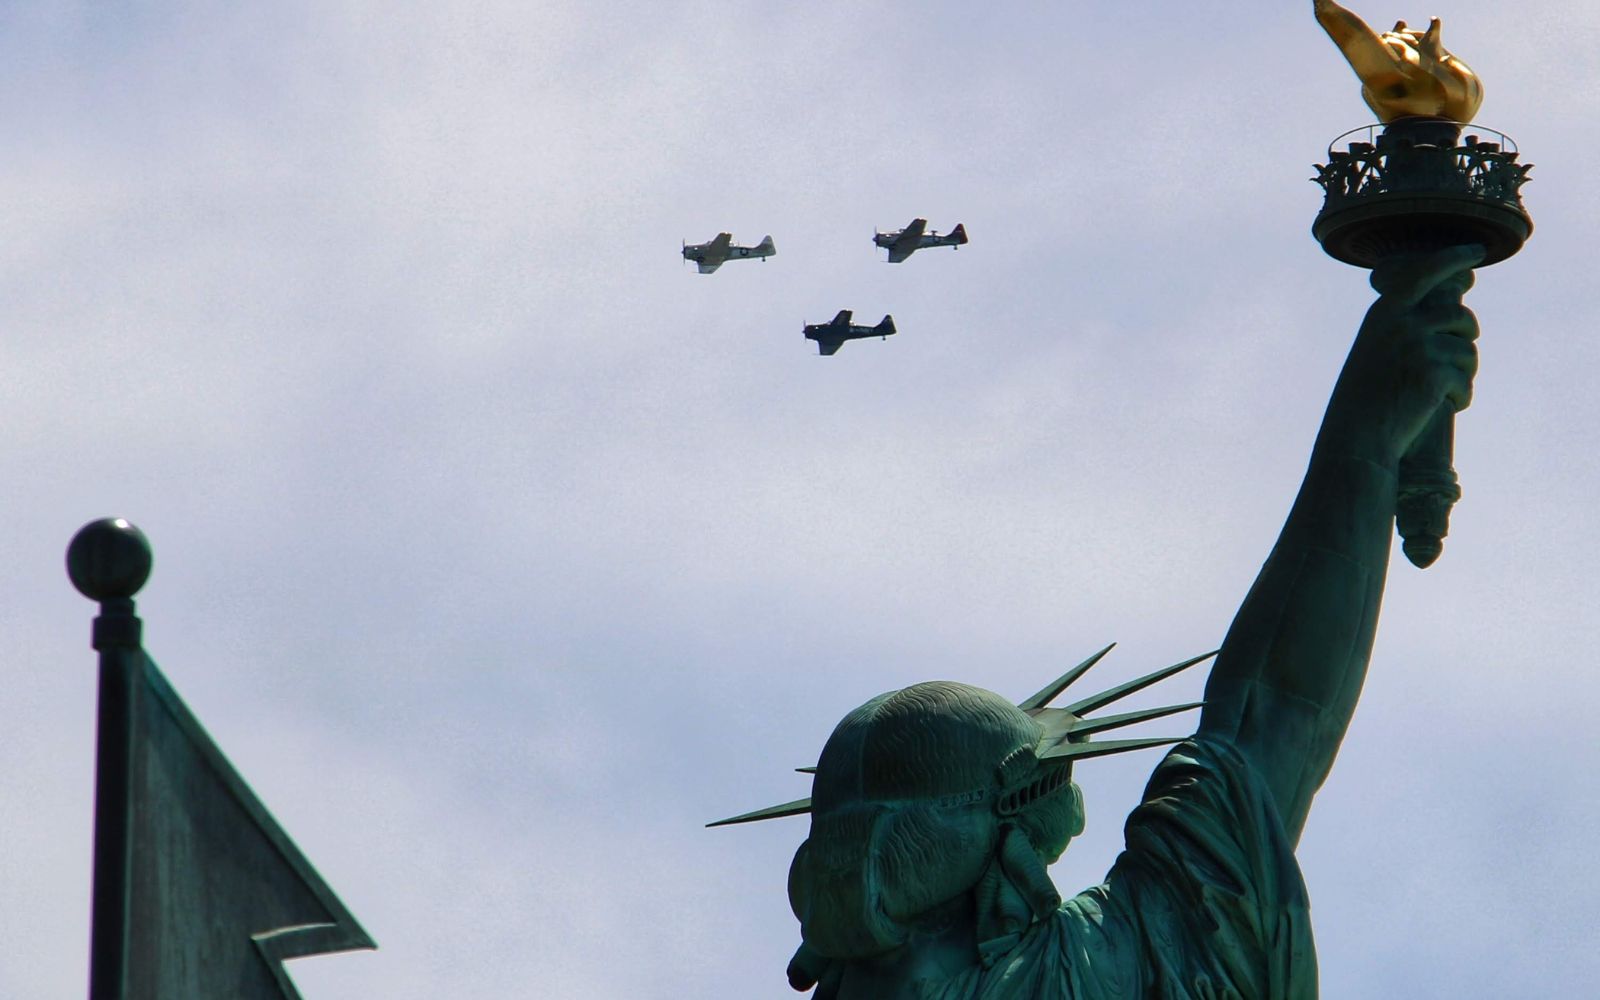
958, 235
884, 328
766, 247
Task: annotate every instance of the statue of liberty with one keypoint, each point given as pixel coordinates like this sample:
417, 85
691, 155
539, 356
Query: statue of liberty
936, 809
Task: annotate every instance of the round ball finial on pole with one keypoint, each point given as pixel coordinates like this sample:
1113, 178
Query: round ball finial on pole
108, 559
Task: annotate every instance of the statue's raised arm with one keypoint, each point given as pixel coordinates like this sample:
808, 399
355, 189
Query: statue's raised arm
1290, 670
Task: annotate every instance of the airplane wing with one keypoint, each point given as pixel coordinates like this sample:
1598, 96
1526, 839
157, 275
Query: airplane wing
828, 346
714, 253
908, 241
843, 319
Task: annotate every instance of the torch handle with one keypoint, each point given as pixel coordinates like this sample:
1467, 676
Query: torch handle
1428, 489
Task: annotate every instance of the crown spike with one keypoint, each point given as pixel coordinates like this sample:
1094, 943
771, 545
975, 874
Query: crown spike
1063, 752
1088, 727
1106, 697
1048, 693
795, 808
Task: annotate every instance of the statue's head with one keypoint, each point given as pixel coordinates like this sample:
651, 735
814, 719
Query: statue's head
943, 802
911, 797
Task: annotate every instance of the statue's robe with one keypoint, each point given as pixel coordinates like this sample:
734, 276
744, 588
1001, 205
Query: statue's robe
1205, 903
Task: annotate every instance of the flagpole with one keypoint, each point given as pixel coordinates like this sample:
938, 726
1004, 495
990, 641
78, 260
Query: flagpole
108, 561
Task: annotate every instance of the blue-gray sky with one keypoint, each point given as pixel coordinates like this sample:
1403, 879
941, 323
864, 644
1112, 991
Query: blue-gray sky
500, 550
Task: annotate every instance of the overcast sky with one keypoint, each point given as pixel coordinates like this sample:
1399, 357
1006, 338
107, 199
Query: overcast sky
500, 550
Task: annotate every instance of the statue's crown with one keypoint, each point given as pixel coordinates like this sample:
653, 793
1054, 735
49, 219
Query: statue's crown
956, 744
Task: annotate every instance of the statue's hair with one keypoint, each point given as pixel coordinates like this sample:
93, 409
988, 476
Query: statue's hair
935, 740
867, 872
903, 815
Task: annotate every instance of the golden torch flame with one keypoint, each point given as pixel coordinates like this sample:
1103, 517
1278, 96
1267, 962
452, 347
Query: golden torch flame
1404, 72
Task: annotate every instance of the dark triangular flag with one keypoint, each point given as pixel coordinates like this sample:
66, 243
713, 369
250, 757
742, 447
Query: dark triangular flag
198, 893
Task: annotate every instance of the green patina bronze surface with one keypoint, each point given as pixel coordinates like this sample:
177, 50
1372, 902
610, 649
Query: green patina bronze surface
198, 892
936, 809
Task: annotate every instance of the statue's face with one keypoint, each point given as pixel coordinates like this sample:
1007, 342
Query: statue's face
1052, 822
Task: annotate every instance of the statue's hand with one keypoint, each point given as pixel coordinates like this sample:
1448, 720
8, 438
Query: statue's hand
1414, 353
